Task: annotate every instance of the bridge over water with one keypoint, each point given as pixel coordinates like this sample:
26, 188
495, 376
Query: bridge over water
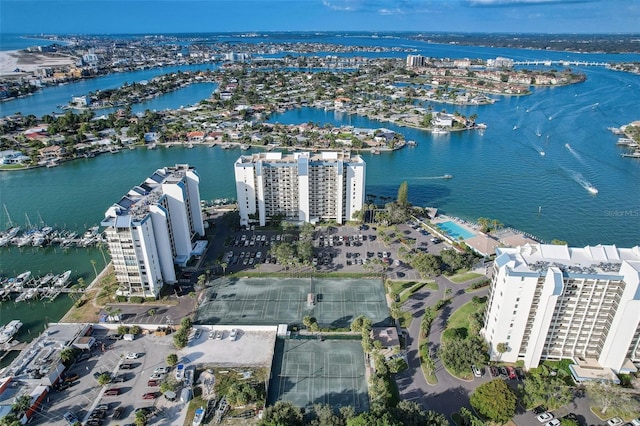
549, 63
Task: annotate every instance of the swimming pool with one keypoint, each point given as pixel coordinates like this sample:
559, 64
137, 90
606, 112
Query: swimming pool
455, 231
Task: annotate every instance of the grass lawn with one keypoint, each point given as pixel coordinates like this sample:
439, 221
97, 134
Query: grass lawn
398, 287
460, 318
405, 319
465, 276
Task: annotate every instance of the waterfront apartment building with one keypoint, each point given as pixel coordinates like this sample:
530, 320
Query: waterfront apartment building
414, 61
304, 187
557, 302
152, 229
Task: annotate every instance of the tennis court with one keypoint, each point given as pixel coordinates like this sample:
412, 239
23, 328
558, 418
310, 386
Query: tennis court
307, 372
272, 301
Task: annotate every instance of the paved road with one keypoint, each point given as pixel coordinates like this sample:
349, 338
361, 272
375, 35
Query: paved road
450, 393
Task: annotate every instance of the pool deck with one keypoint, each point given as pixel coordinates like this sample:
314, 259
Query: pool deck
483, 244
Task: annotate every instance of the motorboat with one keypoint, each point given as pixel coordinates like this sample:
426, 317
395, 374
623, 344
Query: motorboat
198, 417
9, 330
63, 279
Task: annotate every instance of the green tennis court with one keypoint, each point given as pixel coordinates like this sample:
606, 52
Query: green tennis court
307, 372
271, 301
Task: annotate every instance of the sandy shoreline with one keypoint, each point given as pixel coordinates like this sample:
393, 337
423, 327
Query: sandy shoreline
28, 62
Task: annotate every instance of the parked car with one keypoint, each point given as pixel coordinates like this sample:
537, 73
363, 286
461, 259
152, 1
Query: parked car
219, 334
132, 355
72, 378
539, 409
153, 383
127, 366
157, 376
512, 372
476, 371
161, 370
212, 335
554, 422
150, 395
112, 392
102, 407
233, 335
635, 422
495, 373
117, 413
70, 418
544, 417
197, 334
615, 421
503, 371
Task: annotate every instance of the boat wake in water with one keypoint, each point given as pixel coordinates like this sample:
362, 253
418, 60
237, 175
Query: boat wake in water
574, 153
582, 181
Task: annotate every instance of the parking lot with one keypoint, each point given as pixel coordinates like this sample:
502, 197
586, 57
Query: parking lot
81, 395
345, 248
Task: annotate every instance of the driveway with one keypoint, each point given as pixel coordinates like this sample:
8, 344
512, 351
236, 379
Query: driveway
450, 393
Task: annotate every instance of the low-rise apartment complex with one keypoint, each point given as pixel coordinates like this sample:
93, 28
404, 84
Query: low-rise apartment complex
558, 302
303, 187
152, 229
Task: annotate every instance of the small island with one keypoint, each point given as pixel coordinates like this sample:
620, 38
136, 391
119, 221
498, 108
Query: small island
629, 138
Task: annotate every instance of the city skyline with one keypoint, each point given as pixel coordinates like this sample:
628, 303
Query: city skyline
195, 16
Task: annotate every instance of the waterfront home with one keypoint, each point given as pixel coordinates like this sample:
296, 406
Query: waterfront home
195, 136
12, 157
39, 132
441, 119
51, 153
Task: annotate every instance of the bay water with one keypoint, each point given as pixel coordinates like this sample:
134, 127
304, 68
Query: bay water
498, 173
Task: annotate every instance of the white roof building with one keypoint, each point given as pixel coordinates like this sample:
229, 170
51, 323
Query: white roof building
302, 187
559, 302
151, 229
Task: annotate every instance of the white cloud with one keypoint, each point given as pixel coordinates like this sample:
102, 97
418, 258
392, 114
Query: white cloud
521, 2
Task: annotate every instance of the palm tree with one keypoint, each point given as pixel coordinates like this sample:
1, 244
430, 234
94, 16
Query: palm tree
95, 271
21, 404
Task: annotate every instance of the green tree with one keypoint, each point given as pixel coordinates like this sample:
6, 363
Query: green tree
568, 422
67, 356
21, 404
372, 418
459, 354
104, 378
494, 400
403, 194
172, 359
502, 348
282, 413
10, 420
325, 416
135, 329
608, 395
141, 418
361, 324
547, 390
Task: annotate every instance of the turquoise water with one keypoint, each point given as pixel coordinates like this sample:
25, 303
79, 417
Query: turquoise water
455, 231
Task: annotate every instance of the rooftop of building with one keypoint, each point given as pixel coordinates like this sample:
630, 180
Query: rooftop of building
278, 157
134, 205
589, 260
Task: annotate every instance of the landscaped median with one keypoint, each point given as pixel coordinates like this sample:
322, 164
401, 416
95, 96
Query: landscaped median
461, 345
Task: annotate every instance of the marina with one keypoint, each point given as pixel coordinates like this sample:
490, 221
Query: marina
24, 287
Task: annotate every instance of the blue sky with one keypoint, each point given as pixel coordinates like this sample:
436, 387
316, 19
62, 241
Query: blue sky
166, 16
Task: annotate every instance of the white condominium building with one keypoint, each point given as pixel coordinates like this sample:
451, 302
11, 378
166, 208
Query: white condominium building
302, 187
152, 228
558, 302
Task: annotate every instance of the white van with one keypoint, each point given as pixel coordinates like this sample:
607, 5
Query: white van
129, 337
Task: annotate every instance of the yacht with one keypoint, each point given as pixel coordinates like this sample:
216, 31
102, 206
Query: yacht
244, 147
62, 280
9, 330
439, 131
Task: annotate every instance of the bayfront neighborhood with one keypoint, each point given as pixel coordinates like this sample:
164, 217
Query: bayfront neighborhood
305, 302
